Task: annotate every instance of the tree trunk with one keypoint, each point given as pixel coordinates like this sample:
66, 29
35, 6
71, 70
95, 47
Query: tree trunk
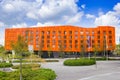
20, 68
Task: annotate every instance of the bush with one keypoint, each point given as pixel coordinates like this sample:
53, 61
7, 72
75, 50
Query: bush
52, 60
79, 62
27, 66
99, 59
40, 74
38, 60
3, 65
104, 58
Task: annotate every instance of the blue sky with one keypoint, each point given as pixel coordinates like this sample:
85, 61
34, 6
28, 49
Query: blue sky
84, 13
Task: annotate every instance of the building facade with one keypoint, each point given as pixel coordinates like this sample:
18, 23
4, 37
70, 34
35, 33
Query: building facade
64, 38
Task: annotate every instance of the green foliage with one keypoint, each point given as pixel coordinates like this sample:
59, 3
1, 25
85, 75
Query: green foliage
79, 62
41, 74
39, 60
99, 59
27, 66
104, 58
2, 49
3, 65
52, 60
20, 46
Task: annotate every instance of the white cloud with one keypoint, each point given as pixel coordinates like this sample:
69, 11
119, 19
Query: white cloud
107, 19
24, 11
75, 19
22, 25
2, 24
117, 7
8, 7
111, 18
89, 16
83, 6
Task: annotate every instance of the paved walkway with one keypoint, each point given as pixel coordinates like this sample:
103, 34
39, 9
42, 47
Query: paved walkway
106, 70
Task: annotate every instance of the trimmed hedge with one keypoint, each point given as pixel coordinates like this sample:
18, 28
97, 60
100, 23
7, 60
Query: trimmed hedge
104, 58
40, 74
26, 66
3, 65
99, 59
24, 61
79, 62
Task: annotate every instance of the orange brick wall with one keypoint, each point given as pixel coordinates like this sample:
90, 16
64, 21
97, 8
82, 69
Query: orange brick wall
70, 37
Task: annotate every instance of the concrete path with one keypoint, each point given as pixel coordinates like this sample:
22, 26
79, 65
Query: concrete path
106, 70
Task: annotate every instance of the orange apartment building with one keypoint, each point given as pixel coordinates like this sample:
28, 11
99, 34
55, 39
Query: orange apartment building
64, 38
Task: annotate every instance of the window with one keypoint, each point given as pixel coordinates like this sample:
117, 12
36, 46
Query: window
48, 41
53, 36
81, 41
76, 46
65, 41
93, 41
110, 41
59, 37
70, 46
110, 37
92, 37
42, 37
42, 41
104, 32
48, 37
82, 36
93, 32
70, 32
64, 37
76, 32
76, 37
48, 46
98, 41
42, 32
36, 32
65, 32
59, 41
53, 32
98, 45
53, 41
70, 41
87, 32
98, 37
81, 32
53, 46
37, 46
59, 32
82, 46
110, 32
98, 32
76, 41
48, 32
70, 37
64, 46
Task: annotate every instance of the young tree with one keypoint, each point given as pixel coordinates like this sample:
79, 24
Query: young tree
40, 48
49, 51
117, 50
61, 50
20, 46
95, 53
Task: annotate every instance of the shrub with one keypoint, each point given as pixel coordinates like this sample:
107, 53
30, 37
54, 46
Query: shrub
40, 74
99, 58
3, 65
27, 66
79, 62
52, 60
37, 60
